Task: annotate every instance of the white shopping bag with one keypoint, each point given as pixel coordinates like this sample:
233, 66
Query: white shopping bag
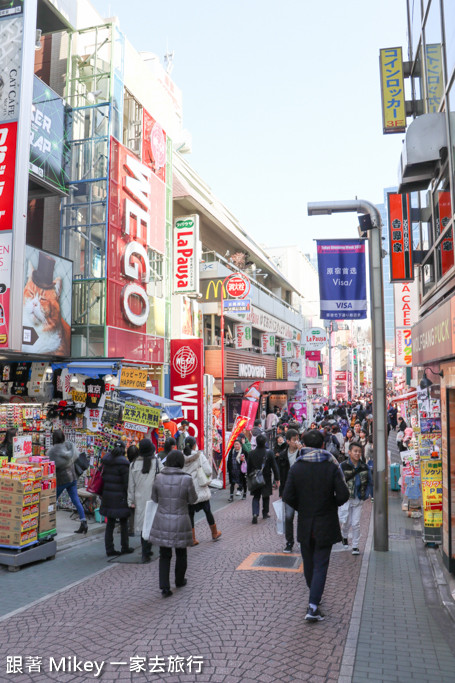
343, 512
150, 511
278, 506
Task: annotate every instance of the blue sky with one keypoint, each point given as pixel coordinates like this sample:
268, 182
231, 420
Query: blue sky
282, 100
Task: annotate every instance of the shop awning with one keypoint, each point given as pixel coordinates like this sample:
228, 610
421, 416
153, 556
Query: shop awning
172, 408
101, 367
406, 397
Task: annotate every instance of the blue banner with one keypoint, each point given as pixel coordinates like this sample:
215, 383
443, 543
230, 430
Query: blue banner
342, 279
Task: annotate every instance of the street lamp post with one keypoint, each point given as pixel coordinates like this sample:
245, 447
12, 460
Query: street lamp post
380, 508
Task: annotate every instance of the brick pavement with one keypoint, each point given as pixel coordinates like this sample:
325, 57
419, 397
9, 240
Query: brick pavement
247, 625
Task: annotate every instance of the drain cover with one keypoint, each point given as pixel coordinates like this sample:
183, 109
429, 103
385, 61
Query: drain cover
278, 561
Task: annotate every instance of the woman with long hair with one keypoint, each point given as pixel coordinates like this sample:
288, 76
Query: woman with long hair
114, 499
143, 473
197, 465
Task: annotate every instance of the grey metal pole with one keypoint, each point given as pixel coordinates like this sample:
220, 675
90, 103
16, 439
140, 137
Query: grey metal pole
380, 508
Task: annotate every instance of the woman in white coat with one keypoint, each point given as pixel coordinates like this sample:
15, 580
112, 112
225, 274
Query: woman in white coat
143, 471
198, 466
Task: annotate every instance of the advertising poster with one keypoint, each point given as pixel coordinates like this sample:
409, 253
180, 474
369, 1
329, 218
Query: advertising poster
46, 315
5, 284
300, 409
243, 336
400, 233
185, 248
286, 350
429, 425
294, 370
268, 344
431, 482
49, 148
250, 404
342, 279
8, 135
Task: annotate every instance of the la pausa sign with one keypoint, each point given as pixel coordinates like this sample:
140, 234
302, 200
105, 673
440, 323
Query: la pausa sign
186, 266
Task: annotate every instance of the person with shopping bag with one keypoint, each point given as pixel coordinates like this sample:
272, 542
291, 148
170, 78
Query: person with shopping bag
173, 491
143, 471
199, 467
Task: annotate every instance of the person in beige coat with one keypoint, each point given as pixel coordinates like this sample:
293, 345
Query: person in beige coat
143, 471
198, 466
174, 491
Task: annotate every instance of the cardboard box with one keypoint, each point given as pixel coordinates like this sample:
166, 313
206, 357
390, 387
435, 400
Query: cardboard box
47, 505
19, 499
47, 522
18, 524
18, 512
8, 485
15, 538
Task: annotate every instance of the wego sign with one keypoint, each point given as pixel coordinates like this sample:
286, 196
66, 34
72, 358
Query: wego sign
187, 382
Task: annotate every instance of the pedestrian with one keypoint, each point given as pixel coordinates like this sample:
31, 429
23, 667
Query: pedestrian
401, 424
181, 434
6, 447
261, 458
142, 475
392, 416
271, 421
174, 492
169, 445
235, 459
114, 499
315, 487
246, 445
197, 465
285, 461
357, 475
64, 454
131, 453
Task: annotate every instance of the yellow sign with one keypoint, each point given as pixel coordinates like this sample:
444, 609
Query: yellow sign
392, 90
79, 396
431, 482
136, 414
133, 378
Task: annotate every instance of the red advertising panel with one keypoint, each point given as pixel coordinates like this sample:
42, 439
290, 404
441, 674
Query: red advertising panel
400, 231
8, 134
250, 404
137, 220
5, 284
154, 146
313, 355
187, 375
444, 216
340, 375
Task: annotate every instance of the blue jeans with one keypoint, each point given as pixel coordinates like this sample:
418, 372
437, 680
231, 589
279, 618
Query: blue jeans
72, 492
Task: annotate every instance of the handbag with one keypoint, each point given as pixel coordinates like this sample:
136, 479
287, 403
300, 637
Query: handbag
150, 511
81, 464
95, 484
255, 480
244, 467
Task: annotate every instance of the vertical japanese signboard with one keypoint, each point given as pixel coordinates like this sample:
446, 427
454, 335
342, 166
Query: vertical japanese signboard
342, 279
187, 383
406, 315
444, 214
392, 90
185, 250
435, 83
285, 349
400, 234
243, 336
268, 343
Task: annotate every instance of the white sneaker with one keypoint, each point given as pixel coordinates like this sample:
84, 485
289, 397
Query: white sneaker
355, 551
238, 493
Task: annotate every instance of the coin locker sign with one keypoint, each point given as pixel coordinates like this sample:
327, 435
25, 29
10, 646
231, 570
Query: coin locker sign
135, 414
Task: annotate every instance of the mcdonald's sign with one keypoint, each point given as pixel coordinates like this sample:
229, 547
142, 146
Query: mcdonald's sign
211, 290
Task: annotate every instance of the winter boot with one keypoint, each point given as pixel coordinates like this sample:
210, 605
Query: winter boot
215, 533
194, 538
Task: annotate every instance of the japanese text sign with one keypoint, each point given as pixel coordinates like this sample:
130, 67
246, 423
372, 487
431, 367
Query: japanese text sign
400, 234
342, 281
141, 415
392, 90
133, 378
8, 133
185, 248
431, 481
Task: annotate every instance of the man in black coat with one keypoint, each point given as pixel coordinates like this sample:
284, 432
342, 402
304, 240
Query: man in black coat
315, 487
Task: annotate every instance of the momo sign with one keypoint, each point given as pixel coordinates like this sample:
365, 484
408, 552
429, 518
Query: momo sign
185, 248
187, 383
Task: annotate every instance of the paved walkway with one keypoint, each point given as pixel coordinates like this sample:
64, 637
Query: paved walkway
383, 622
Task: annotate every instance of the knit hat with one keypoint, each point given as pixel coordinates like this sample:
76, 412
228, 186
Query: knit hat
146, 448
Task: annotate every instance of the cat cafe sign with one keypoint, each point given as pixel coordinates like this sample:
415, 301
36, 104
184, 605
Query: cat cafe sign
185, 255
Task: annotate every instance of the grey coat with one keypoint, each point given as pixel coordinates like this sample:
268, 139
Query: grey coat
140, 488
64, 456
173, 490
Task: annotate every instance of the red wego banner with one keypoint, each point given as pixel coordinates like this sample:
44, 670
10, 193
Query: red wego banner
137, 220
8, 134
250, 404
400, 232
187, 383
444, 216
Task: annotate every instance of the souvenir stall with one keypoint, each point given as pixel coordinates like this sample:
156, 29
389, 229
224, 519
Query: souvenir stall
84, 401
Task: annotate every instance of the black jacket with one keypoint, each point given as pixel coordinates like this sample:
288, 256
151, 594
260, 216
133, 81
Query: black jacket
114, 499
316, 490
284, 467
254, 462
